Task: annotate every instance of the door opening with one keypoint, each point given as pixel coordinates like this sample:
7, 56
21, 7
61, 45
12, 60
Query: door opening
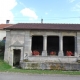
16, 57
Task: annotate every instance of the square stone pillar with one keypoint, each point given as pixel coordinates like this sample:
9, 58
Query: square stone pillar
75, 53
27, 45
44, 52
7, 46
60, 46
78, 43
30, 51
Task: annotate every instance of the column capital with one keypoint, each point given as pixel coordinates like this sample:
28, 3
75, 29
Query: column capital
44, 35
60, 35
8, 30
30, 35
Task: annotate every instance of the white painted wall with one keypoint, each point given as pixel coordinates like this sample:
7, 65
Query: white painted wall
2, 34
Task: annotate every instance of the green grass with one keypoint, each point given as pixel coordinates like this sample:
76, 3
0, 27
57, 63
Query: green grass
45, 71
4, 67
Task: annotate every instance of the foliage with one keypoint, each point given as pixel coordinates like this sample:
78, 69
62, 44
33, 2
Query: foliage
2, 46
69, 53
52, 53
3, 65
35, 52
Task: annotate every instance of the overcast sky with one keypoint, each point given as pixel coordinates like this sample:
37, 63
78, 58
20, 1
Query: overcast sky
52, 11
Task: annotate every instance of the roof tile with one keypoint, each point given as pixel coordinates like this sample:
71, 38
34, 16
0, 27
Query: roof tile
43, 26
2, 26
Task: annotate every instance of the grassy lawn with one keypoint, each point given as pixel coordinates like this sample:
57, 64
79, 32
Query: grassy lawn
4, 67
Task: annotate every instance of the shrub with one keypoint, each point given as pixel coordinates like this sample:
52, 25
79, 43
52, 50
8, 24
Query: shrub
52, 53
69, 53
2, 46
35, 52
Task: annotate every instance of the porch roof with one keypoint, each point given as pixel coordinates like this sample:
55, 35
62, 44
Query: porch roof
44, 26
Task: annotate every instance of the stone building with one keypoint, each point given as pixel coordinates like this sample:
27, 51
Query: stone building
23, 39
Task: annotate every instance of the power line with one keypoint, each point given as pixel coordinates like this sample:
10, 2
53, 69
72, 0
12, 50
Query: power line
47, 17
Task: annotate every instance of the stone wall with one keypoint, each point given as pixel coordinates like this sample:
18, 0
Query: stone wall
27, 44
50, 66
22, 39
13, 39
17, 38
7, 48
57, 59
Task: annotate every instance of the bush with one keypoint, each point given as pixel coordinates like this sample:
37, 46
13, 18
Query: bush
2, 46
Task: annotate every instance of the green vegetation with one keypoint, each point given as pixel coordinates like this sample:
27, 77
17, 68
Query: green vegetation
45, 71
2, 46
4, 67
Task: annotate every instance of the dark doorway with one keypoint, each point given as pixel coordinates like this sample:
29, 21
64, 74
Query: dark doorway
16, 57
68, 44
37, 43
52, 44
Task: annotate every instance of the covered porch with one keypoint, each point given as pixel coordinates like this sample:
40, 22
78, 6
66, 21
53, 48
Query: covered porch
50, 52
54, 45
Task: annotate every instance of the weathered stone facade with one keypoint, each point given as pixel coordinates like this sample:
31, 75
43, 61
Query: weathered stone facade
22, 39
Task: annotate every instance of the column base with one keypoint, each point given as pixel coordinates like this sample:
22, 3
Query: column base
60, 53
29, 53
76, 55
44, 53
78, 59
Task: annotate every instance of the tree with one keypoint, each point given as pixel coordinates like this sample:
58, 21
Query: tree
2, 45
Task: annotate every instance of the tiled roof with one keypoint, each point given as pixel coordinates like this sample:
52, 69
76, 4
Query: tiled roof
2, 26
44, 26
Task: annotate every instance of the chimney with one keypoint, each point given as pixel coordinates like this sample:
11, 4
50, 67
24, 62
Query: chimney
41, 20
7, 21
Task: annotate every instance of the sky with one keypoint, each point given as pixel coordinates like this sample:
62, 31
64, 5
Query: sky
32, 11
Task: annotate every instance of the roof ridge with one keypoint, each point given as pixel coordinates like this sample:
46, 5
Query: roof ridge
48, 23
46, 26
